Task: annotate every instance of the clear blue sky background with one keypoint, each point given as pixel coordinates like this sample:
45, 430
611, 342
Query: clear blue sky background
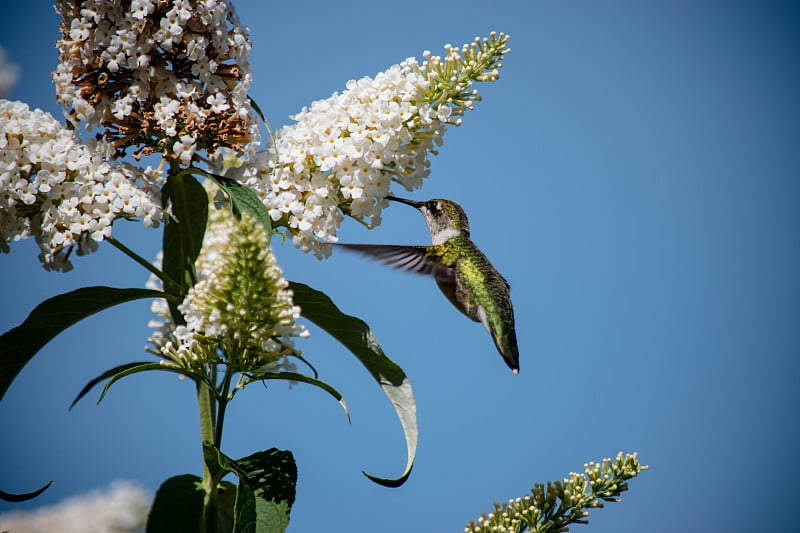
635, 174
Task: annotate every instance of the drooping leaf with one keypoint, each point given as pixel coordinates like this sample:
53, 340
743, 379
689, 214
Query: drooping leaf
244, 200
178, 506
16, 498
354, 334
51, 317
257, 108
105, 375
183, 232
293, 376
266, 489
145, 367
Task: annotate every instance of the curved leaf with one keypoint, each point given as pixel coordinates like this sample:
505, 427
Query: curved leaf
354, 334
16, 498
293, 376
51, 317
105, 375
144, 367
256, 108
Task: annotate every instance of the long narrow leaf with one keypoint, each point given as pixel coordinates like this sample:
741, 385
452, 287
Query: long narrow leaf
145, 367
293, 376
16, 498
183, 232
51, 317
354, 334
102, 377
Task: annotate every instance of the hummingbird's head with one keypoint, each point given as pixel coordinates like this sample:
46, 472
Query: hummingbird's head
445, 219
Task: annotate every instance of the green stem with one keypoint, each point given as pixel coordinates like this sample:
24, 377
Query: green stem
223, 404
169, 285
205, 402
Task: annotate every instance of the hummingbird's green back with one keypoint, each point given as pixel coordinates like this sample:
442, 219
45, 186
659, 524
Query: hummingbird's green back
478, 290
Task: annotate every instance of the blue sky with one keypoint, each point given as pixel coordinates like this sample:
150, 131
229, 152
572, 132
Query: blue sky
635, 175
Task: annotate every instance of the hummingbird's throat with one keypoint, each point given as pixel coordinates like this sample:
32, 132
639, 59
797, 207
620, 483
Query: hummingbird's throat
443, 235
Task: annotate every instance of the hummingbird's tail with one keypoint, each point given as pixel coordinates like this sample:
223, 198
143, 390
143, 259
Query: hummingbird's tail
507, 346
505, 340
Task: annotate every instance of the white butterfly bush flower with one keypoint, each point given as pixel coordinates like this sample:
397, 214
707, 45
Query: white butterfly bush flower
168, 77
342, 154
63, 192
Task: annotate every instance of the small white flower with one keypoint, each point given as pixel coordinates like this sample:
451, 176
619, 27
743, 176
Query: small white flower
184, 148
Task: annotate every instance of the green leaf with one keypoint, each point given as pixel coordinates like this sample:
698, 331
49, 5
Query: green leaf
257, 108
51, 317
178, 506
293, 376
183, 232
244, 200
266, 488
264, 500
16, 498
359, 339
105, 375
144, 367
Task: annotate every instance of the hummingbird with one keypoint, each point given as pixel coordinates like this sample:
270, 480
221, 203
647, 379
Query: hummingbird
462, 271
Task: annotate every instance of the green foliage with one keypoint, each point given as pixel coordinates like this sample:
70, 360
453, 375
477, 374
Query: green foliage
302, 378
266, 490
25, 496
51, 317
178, 506
244, 200
551, 508
267, 494
359, 339
183, 233
110, 373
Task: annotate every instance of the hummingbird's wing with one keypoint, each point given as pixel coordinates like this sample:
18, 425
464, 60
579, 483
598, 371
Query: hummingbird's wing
409, 258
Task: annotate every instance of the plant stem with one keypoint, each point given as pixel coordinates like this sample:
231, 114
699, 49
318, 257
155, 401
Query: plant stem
169, 284
205, 401
223, 404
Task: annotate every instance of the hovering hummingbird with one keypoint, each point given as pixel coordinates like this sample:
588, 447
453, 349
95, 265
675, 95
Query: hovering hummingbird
460, 269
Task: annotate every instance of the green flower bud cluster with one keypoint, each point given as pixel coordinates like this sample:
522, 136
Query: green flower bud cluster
240, 313
552, 507
243, 307
450, 89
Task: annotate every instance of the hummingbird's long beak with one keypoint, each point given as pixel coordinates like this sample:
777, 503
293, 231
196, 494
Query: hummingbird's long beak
412, 203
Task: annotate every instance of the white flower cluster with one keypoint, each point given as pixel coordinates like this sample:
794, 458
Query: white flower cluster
169, 76
61, 191
241, 304
342, 154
